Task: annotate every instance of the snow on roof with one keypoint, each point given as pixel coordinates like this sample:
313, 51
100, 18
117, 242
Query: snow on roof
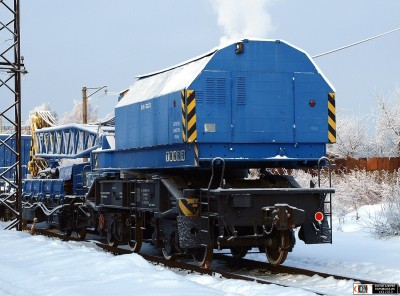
195, 59
165, 81
315, 65
180, 76
91, 128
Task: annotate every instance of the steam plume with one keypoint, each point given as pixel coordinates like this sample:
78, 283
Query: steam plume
243, 19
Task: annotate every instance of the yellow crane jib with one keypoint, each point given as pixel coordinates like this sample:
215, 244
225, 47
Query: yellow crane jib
38, 119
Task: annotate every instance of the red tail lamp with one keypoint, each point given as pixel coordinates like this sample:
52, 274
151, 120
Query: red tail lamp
319, 216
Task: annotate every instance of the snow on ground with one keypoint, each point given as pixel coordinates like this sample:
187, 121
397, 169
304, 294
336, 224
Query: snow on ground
354, 252
36, 265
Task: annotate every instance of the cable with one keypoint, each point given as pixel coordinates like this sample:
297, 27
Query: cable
353, 44
91, 99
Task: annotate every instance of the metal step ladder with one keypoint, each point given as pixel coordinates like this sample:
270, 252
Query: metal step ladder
132, 212
326, 226
204, 217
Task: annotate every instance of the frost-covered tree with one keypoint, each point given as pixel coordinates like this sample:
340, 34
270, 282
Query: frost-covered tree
386, 223
351, 136
388, 124
75, 116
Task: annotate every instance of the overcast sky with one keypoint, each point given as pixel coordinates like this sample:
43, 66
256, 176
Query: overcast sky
71, 44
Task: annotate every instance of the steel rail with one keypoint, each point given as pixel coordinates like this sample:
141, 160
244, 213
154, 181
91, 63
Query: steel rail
263, 268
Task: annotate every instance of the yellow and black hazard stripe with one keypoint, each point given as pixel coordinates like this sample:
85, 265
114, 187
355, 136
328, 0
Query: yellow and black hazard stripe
188, 103
183, 106
189, 206
196, 155
191, 116
331, 118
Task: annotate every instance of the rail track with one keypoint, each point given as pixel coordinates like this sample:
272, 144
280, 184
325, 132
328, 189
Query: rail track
224, 265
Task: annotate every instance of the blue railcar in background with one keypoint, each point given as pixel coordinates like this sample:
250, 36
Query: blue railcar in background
7, 169
174, 170
7, 157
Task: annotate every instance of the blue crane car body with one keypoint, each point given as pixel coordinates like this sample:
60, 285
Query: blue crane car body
267, 102
174, 168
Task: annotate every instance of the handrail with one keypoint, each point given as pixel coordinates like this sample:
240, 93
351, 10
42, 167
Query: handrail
212, 172
329, 170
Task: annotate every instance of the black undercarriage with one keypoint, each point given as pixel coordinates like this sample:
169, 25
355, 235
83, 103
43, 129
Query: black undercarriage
189, 213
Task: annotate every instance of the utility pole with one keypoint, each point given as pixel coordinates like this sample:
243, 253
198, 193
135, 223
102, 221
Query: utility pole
85, 98
84, 105
84, 111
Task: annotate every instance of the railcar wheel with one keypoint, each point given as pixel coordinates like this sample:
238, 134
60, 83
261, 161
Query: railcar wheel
168, 252
136, 236
238, 252
135, 246
115, 234
199, 256
81, 233
277, 253
67, 232
112, 242
136, 243
203, 256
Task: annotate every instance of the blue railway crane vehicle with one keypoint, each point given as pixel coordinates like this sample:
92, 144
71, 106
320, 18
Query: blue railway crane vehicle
8, 170
174, 170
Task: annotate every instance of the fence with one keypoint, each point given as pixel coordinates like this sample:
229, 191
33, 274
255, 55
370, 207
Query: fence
368, 164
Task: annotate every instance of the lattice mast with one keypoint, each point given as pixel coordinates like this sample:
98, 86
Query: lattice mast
11, 67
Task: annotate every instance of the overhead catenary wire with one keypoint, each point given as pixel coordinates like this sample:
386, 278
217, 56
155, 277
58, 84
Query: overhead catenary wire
354, 44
